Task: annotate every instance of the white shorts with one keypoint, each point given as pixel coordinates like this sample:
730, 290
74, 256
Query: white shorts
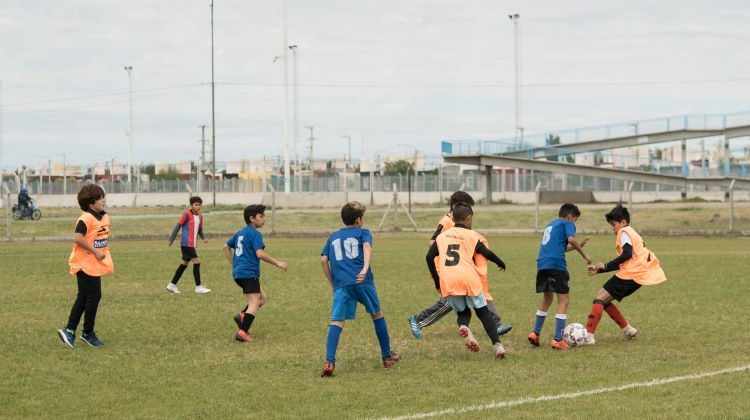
460, 303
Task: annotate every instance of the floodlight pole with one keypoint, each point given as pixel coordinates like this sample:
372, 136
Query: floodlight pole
129, 69
516, 18
213, 113
284, 55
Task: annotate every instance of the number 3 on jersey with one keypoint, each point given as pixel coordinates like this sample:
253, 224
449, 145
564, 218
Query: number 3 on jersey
452, 256
351, 248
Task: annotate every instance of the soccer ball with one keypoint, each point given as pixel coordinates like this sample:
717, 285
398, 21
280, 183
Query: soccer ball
575, 334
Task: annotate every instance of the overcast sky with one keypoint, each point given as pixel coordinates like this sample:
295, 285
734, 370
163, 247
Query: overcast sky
393, 75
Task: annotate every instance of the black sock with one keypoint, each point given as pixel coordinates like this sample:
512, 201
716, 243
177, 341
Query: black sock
247, 321
177, 274
463, 317
488, 322
197, 274
245, 309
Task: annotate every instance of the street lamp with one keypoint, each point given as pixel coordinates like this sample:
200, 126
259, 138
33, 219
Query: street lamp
129, 69
346, 183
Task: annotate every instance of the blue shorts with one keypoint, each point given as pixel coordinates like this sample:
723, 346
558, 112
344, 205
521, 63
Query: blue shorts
460, 303
345, 301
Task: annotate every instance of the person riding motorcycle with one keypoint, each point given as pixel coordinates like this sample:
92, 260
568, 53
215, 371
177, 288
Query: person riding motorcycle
24, 200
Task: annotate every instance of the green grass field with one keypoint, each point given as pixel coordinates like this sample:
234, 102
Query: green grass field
154, 222
173, 356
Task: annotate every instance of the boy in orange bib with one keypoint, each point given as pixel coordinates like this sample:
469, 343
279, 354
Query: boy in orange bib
636, 266
458, 276
89, 261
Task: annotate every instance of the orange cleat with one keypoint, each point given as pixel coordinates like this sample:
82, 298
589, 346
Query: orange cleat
327, 369
534, 339
242, 336
559, 345
391, 360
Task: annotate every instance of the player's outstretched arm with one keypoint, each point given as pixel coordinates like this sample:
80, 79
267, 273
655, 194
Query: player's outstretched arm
261, 254
491, 256
574, 244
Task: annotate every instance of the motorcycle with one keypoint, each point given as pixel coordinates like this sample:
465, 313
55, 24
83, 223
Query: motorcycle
27, 212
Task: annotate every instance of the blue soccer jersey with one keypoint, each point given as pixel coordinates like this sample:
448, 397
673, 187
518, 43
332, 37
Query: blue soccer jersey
554, 242
345, 252
245, 242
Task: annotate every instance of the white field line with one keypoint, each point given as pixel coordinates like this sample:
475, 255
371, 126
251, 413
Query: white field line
566, 396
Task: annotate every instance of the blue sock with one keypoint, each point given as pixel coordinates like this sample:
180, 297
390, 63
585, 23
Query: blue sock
539, 321
334, 333
381, 330
560, 325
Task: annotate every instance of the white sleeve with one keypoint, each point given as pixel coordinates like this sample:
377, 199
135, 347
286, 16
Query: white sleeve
625, 239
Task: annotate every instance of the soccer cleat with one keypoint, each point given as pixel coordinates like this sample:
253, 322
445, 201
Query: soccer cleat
201, 289
415, 328
503, 329
469, 341
172, 288
629, 332
534, 339
559, 345
327, 369
68, 337
390, 361
238, 319
499, 350
243, 336
91, 339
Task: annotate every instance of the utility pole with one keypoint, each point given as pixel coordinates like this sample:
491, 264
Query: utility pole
285, 63
213, 112
202, 163
295, 112
311, 139
129, 69
1, 132
516, 18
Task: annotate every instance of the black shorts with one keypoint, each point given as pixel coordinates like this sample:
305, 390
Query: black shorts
619, 289
188, 253
251, 285
552, 281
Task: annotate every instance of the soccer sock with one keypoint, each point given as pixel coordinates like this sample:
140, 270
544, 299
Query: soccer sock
560, 325
594, 316
381, 330
463, 317
247, 321
332, 342
197, 274
539, 321
488, 322
244, 309
615, 314
177, 274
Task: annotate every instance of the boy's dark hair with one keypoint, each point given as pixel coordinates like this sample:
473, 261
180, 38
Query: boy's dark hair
195, 199
569, 209
461, 197
461, 211
618, 214
252, 211
352, 211
88, 195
